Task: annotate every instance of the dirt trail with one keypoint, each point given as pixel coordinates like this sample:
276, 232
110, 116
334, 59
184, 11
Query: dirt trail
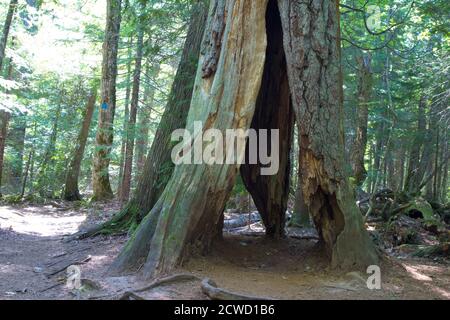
32, 247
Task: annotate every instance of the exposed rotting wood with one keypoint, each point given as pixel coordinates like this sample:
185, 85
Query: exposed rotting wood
213, 41
211, 289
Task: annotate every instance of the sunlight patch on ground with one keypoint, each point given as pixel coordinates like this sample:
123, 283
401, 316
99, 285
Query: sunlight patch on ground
34, 223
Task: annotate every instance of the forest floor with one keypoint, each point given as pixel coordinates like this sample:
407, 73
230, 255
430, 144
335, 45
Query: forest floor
35, 254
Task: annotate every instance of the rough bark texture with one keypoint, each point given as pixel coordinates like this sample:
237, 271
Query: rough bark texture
4, 120
131, 130
71, 191
7, 26
186, 215
360, 142
273, 111
104, 138
312, 46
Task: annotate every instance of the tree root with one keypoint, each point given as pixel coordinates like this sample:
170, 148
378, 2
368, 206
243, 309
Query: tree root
210, 288
125, 220
182, 277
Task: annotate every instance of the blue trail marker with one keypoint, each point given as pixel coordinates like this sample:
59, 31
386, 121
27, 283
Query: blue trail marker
104, 106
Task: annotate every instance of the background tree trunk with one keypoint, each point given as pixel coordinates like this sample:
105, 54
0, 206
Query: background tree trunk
7, 26
71, 191
364, 95
4, 120
145, 118
126, 117
131, 130
105, 132
412, 178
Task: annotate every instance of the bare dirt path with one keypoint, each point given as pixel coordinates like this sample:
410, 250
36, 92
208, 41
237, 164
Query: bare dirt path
34, 257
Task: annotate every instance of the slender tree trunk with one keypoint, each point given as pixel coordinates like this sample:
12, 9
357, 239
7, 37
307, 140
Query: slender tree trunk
27, 171
126, 117
228, 84
105, 131
7, 26
145, 118
412, 178
365, 83
16, 141
71, 191
4, 120
131, 132
45, 183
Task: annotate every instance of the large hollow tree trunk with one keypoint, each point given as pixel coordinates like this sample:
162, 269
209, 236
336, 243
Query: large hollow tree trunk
186, 217
273, 111
227, 86
6, 27
105, 130
131, 130
360, 142
71, 191
312, 46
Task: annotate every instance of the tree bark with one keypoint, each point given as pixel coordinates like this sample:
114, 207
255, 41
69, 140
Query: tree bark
71, 191
364, 95
104, 138
7, 26
312, 46
131, 128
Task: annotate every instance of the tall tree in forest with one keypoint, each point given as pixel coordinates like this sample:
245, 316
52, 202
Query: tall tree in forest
126, 116
105, 131
131, 128
6, 27
4, 120
365, 83
413, 178
231, 70
71, 191
145, 118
